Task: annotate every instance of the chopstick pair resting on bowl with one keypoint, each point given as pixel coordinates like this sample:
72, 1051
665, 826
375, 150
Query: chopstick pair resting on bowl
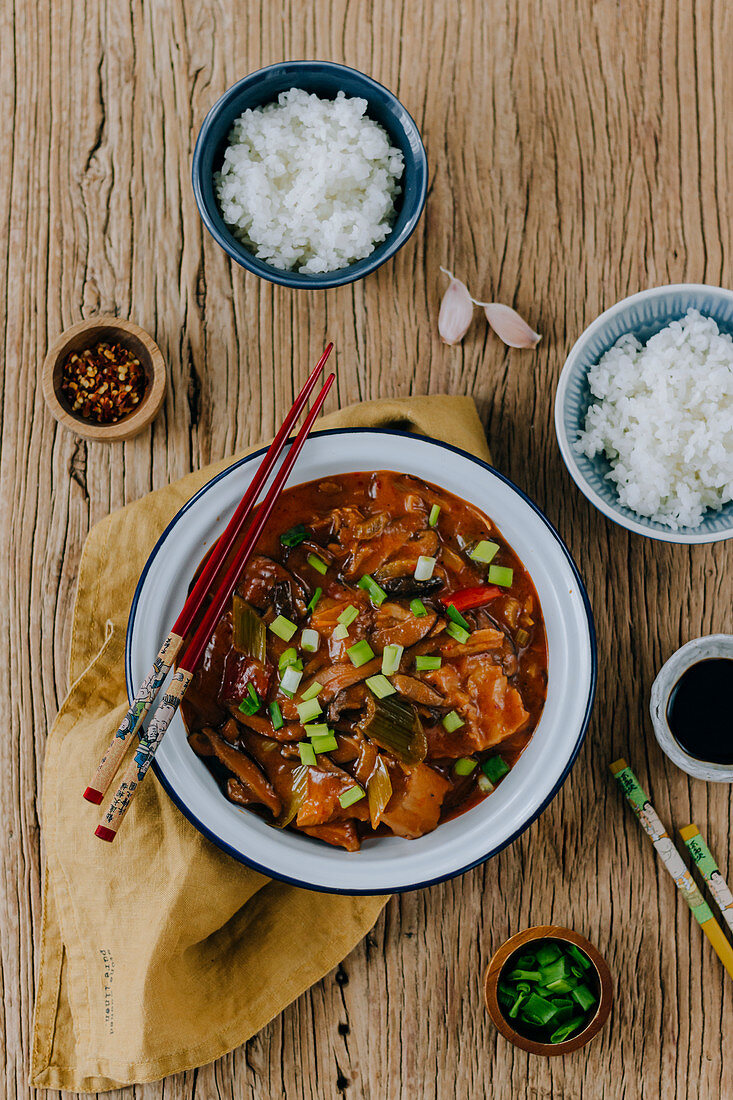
186, 666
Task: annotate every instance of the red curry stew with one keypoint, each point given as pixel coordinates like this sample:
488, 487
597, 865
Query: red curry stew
381, 669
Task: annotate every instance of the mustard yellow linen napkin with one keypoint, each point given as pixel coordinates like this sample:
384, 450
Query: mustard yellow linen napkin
159, 952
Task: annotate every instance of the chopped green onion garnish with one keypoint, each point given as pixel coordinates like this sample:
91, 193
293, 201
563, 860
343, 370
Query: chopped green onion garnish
340, 632
360, 653
558, 968
455, 617
418, 608
348, 798
427, 664
316, 729
317, 563
579, 956
566, 1030
484, 783
252, 703
312, 691
294, 536
457, 632
376, 594
310, 640
381, 686
283, 628
584, 997
501, 574
561, 985
308, 710
276, 716
433, 517
548, 953
538, 1009
347, 616
453, 721
324, 744
291, 678
566, 1009
424, 568
464, 766
287, 657
494, 768
391, 657
314, 599
307, 753
484, 551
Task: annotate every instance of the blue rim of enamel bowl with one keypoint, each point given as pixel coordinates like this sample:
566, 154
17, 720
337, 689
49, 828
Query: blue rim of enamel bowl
247, 860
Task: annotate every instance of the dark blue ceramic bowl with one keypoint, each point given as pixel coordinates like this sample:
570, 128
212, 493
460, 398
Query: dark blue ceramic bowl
325, 79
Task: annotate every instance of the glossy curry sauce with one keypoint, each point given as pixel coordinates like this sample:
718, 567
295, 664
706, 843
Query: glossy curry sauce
490, 686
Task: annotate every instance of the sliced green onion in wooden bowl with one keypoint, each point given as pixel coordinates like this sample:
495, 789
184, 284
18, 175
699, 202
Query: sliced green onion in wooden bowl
548, 990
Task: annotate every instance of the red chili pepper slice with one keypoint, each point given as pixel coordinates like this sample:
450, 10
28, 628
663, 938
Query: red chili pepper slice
468, 598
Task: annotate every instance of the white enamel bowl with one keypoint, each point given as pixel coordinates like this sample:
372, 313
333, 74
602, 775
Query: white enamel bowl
383, 864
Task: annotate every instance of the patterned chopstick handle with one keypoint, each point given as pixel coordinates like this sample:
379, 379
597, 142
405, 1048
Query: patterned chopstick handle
710, 871
660, 838
138, 766
133, 720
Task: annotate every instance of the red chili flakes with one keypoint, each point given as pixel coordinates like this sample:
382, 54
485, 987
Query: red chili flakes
103, 383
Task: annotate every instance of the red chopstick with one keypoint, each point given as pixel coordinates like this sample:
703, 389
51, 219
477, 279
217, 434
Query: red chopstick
150, 740
148, 690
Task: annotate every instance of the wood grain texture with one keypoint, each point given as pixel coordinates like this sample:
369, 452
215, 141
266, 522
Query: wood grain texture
579, 151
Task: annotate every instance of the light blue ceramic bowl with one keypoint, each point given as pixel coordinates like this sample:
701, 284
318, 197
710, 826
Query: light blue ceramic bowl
644, 314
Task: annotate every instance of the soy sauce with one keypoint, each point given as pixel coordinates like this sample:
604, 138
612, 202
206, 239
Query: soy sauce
700, 710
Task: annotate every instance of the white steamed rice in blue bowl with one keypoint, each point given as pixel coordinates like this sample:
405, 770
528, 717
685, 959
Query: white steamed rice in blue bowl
644, 413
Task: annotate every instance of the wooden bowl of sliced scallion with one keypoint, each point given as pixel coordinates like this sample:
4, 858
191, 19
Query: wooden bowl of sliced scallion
548, 990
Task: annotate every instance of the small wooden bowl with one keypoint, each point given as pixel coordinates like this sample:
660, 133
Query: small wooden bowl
511, 947
84, 335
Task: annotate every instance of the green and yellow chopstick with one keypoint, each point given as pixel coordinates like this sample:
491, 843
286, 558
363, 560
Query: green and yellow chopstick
710, 871
673, 861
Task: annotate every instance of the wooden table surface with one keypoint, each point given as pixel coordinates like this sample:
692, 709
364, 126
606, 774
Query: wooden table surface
579, 151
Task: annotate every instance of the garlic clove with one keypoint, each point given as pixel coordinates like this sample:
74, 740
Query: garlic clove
456, 311
509, 326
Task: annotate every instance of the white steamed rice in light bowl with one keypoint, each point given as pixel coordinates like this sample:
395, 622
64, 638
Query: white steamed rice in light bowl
663, 417
308, 183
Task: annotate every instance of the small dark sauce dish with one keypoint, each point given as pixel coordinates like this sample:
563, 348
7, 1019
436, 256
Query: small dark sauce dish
699, 710
690, 708
325, 79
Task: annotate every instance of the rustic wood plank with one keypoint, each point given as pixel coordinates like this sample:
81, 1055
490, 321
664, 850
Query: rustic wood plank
579, 151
